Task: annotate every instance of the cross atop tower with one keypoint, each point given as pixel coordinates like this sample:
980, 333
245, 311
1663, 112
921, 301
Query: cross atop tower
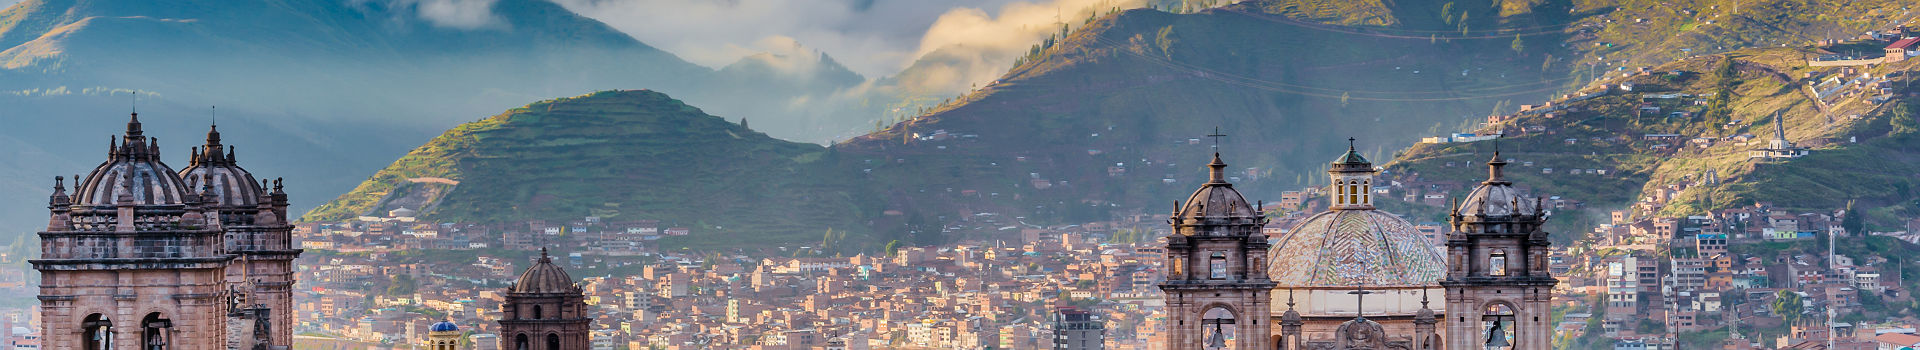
1360, 300
1216, 135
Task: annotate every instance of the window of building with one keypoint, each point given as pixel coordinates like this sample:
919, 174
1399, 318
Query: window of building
1497, 263
1218, 264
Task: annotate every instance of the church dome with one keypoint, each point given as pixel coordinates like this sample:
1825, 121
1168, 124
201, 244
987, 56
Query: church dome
444, 326
544, 277
132, 172
220, 175
1346, 248
1216, 201
1496, 197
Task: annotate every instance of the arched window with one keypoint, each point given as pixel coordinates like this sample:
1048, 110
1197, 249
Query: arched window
553, 341
1217, 263
153, 331
96, 333
537, 313
520, 342
1497, 263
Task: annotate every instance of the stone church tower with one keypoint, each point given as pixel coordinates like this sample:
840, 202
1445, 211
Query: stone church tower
257, 232
1498, 285
139, 258
1216, 284
545, 310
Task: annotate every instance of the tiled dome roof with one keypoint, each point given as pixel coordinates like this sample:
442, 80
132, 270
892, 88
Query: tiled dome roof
133, 172
545, 277
222, 177
445, 326
1346, 248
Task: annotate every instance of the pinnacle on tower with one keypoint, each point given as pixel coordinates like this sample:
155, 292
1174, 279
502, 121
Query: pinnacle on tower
59, 197
1496, 174
133, 125
1217, 170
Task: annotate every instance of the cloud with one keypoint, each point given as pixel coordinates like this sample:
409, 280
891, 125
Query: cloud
872, 37
967, 46
461, 14
875, 38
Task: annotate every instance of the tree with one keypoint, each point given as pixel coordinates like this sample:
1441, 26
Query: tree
1164, 39
402, 285
1902, 121
1519, 46
893, 247
1853, 221
1787, 305
1344, 97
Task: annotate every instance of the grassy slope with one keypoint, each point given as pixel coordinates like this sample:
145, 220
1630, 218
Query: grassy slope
622, 155
1652, 32
1879, 170
1136, 85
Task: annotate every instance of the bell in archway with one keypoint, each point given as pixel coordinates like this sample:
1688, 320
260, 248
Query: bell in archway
1217, 340
1497, 338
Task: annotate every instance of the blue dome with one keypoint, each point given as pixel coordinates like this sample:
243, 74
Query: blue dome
445, 326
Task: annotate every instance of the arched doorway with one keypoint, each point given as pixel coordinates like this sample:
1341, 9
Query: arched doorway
154, 331
553, 341
520, 342
96, 332
1218, 325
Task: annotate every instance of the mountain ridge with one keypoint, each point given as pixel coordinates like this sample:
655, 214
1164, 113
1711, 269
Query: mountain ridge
619, 155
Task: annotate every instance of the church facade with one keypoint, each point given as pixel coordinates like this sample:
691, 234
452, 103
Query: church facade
142, 257
1356, 278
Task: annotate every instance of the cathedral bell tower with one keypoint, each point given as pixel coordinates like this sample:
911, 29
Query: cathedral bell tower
1498, 285
1216, 285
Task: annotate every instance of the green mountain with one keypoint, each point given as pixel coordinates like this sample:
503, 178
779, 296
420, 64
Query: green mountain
315, 90
1111, 117
619, 155
1863, 147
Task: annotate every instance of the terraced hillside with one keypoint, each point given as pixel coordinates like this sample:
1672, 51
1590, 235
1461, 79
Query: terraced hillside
1681, 140
620, 155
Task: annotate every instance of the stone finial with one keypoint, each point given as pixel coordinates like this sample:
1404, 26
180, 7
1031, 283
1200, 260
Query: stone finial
59, 197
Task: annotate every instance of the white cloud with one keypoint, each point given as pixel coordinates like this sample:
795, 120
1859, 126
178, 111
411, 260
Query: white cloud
872, 37
875, 38
462, 14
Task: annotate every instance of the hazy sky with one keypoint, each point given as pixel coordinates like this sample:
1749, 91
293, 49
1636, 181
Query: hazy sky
873, 37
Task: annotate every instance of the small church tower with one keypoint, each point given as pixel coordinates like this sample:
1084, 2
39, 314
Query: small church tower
443, 336
1216, 285
1498, 285
545, 310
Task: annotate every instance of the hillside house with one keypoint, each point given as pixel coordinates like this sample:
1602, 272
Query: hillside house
1901, 49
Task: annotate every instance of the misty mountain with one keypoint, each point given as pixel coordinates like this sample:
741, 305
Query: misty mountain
332, 89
